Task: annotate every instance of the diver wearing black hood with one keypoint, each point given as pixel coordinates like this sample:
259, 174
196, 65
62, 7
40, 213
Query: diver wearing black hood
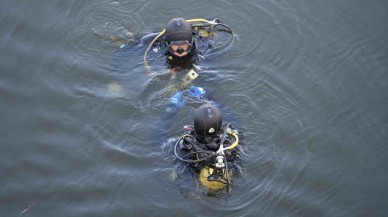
183, 43
181, 39
210, 149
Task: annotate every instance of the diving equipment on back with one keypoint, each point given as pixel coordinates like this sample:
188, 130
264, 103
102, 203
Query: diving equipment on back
209, 148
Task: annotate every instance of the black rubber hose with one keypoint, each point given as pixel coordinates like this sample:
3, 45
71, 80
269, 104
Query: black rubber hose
226, 173
208, 24
190, 161
221, 24
197, 152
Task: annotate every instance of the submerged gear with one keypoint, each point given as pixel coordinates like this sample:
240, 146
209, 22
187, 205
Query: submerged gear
196, 92
207, 121
214, 183
179, 99
214, 163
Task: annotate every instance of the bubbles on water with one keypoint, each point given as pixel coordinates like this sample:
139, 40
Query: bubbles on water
115, 89
173, 175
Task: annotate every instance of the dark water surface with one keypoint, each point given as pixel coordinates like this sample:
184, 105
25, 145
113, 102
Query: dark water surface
307, 79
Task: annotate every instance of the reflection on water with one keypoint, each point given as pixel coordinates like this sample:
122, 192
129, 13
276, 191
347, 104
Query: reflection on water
307, 81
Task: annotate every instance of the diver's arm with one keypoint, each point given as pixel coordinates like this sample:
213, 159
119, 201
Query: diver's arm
146, 40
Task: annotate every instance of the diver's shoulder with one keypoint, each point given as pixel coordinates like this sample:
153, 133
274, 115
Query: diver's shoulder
147, 39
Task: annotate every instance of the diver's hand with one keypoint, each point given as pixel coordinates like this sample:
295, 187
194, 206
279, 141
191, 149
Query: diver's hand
196, 92
177, 100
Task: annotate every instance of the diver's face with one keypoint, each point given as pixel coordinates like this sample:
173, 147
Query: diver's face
181, 49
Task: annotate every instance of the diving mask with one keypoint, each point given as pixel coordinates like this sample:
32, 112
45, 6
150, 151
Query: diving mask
179, 48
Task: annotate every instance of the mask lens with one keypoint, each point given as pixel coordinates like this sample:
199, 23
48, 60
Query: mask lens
180, 46
174, 47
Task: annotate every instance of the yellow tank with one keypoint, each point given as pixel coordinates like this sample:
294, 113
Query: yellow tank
211, 185
204, 33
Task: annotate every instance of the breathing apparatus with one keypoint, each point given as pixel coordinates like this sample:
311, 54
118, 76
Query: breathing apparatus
182, 36
215, 172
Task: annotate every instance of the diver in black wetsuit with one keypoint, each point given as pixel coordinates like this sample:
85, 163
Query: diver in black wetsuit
179, 39
185, 41
182, 46
209, 149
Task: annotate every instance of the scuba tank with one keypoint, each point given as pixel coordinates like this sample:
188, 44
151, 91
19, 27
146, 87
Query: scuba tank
213, 161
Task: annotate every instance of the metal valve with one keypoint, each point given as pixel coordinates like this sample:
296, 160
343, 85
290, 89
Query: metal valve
220, 161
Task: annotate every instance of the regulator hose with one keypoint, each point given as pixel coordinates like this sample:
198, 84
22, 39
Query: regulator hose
226, 173
212, 154
235, 143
